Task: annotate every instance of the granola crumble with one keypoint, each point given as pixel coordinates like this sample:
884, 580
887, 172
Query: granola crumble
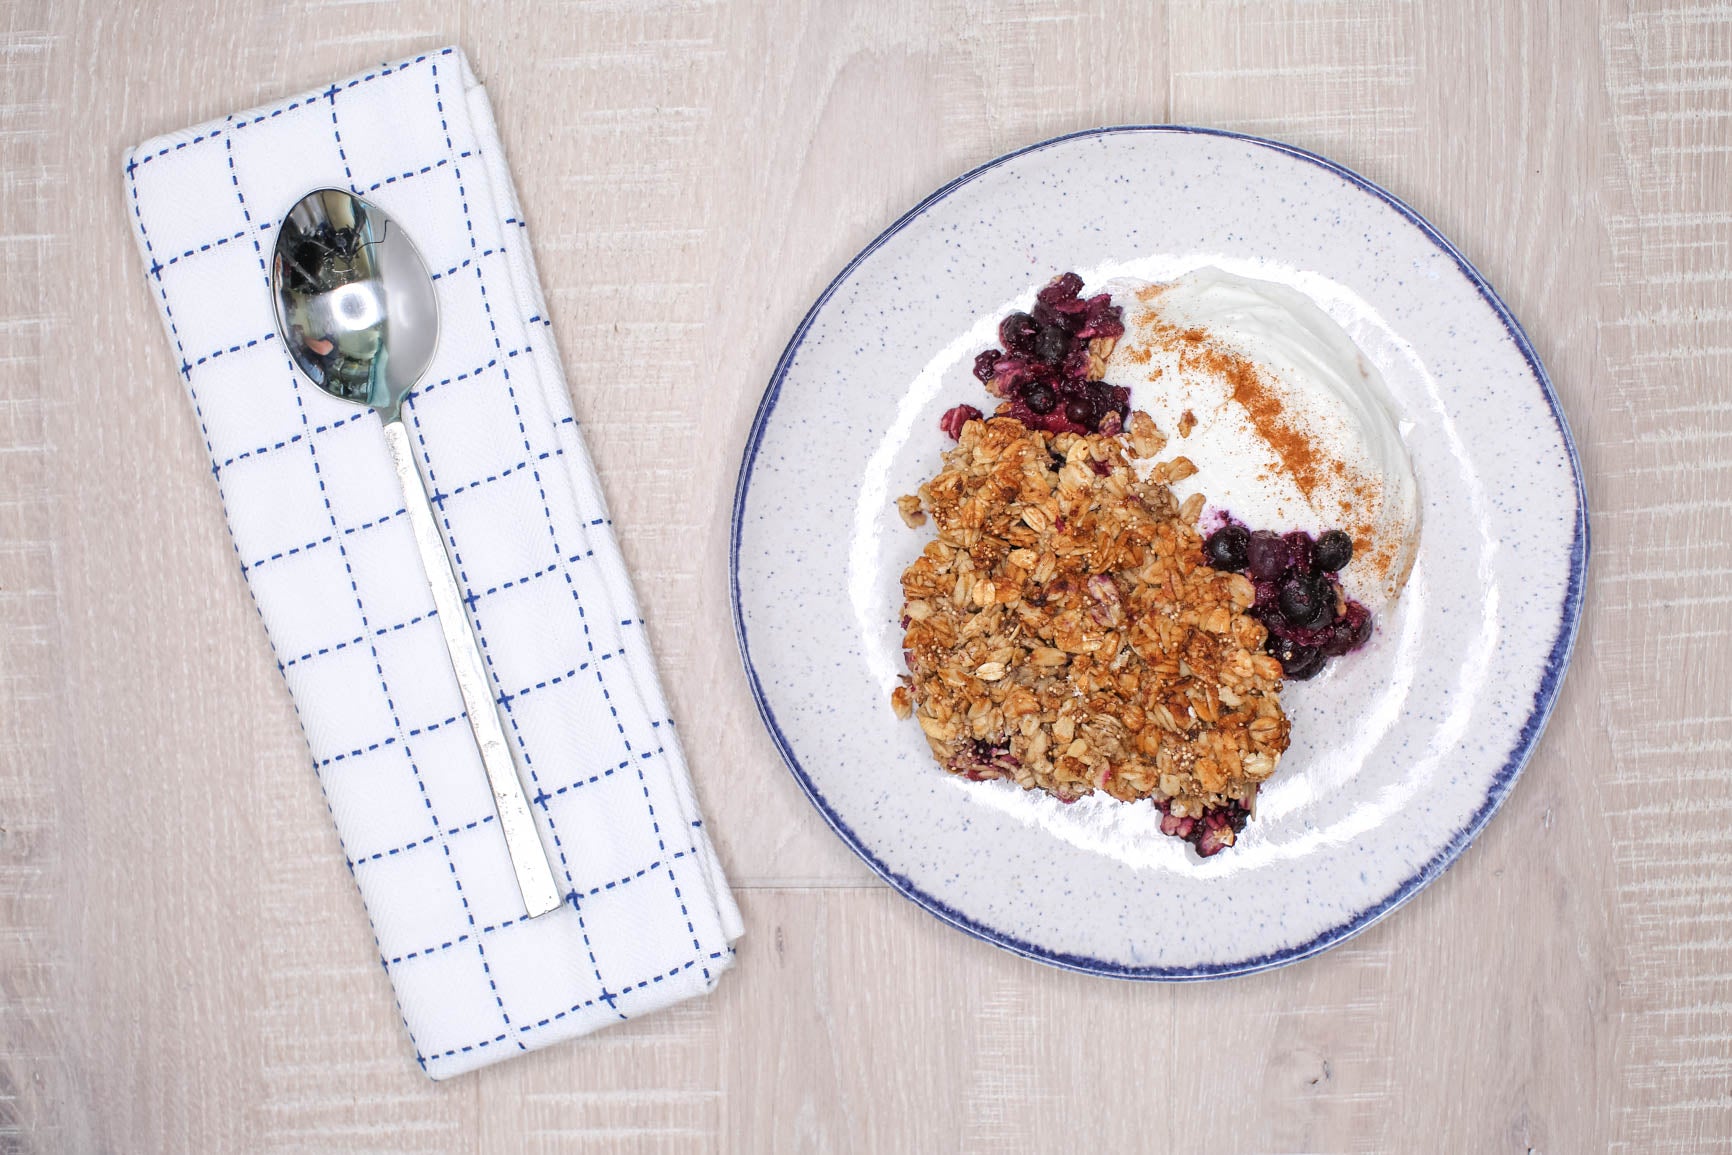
1064, 631
908, 505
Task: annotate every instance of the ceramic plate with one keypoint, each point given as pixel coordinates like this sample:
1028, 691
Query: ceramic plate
1400, 753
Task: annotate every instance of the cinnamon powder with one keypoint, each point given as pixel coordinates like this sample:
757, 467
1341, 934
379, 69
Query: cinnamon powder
1300, 457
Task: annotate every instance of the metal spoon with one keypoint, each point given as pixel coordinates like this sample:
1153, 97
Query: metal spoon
357, 311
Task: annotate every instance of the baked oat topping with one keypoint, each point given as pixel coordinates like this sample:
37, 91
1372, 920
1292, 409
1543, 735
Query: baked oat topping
908, 505
1064, 632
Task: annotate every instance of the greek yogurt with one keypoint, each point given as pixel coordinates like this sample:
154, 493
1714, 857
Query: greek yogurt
1288, 424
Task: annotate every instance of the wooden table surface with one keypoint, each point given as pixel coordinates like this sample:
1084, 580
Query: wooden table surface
184, 964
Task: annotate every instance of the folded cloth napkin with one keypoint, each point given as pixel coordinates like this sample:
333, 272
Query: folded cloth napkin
325, 545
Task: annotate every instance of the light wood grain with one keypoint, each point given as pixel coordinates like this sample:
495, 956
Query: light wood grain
695, 172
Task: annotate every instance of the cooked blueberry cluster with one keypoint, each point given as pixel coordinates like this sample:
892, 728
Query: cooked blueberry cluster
1212, 832
1299, 596
1048, 372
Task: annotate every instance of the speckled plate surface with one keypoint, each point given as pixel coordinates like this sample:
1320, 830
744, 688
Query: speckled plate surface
1401, 753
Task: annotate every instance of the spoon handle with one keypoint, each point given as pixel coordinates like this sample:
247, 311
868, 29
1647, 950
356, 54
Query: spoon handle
522, 842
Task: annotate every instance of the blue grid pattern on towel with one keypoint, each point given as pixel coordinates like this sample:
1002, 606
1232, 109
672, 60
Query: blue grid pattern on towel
314, 449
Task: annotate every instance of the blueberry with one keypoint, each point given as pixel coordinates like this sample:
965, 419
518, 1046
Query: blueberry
1077, 411
1304, 600
1018, 332
985, 364
1307, 663
1332, 552
1297, 662
1267, 592
1076, 362
1225, 548
1106, 398
1267, 556
1040, 398
1051, 344
1350, 631
1061, 288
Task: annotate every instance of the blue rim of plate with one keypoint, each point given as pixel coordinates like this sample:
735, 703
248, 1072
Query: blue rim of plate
1545, 697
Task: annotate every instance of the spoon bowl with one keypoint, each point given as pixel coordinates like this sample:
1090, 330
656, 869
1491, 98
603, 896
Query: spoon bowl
354, 300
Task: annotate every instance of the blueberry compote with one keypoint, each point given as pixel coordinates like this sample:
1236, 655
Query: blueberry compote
1299, 595
1212, 833
1043, 373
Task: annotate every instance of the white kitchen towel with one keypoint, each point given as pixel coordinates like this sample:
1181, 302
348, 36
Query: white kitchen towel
326, 548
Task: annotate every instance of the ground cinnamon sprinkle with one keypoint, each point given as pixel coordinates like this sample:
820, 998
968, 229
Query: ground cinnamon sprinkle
1299, 456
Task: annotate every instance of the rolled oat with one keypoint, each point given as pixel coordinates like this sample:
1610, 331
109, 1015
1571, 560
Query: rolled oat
1064, 632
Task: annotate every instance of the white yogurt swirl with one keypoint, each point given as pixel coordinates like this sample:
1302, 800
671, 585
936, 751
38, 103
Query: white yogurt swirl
1289, 426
